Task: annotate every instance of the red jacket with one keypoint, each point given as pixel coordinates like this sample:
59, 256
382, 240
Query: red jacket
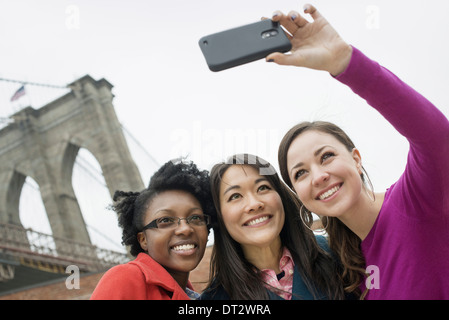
140, 279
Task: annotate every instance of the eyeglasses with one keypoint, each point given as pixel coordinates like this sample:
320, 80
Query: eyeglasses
172, 222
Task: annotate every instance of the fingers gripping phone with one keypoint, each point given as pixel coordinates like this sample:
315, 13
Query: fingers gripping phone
234, 47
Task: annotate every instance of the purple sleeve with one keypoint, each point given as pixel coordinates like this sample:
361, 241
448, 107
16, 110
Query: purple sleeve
424, 186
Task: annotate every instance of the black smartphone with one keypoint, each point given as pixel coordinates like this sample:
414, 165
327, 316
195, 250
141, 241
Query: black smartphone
234, 47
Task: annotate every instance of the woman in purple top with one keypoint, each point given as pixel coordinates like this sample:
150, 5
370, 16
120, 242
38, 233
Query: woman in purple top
393, 244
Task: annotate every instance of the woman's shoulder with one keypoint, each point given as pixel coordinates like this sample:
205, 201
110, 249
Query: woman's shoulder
123, 281
142, 269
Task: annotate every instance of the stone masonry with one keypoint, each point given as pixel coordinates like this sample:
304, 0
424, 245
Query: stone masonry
43, 144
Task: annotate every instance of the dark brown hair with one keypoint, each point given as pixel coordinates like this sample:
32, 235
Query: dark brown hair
242, 280
341, 239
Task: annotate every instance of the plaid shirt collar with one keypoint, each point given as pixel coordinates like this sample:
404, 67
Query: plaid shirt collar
284, 284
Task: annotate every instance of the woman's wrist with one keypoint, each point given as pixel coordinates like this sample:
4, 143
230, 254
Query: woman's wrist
342, 58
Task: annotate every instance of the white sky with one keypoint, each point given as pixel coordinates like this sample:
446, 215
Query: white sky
169, 100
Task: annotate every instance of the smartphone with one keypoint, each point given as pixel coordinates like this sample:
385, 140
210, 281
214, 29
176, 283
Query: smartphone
237, 46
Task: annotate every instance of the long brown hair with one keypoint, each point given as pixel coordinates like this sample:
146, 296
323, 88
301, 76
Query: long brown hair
242, 280
341, 239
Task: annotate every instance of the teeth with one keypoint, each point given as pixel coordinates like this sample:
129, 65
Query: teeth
184, 247
328, 193
258, 220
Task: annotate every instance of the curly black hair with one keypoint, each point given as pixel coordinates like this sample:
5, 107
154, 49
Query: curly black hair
173, 175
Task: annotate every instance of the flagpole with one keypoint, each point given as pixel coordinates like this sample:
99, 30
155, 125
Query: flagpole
24, 83
29, 97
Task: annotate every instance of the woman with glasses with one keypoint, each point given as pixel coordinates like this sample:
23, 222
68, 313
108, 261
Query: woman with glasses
166, 227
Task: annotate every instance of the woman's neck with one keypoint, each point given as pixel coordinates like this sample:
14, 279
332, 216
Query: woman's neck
362, 217
180, 277
266, 257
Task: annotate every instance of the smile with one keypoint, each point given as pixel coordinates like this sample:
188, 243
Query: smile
184, 247
258, 220
329, 192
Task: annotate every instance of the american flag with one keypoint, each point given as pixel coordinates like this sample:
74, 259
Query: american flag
20, 92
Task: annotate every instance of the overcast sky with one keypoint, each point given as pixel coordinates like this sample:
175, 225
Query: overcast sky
174, 106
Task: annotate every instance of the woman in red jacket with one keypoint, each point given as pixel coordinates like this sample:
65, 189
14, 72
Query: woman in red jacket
166, 228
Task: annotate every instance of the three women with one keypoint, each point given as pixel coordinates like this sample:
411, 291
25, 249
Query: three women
263, 247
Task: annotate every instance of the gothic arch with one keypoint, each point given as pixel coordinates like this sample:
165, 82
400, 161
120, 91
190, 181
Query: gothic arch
44, 144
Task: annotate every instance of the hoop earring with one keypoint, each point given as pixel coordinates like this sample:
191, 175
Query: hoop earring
371, 195
305, 224
327, 223
302, 219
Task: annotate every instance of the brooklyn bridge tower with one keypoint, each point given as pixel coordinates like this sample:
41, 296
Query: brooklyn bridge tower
43, 144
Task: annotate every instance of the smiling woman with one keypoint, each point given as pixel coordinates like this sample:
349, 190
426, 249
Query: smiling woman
401, 233
166, 227
178, 246
252, 211
262, 250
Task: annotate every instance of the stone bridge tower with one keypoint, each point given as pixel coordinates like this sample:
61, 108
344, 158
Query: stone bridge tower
44, 143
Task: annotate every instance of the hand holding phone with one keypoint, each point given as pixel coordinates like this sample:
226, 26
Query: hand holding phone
237, 46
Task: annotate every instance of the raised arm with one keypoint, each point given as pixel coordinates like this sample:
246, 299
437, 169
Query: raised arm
317, 45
